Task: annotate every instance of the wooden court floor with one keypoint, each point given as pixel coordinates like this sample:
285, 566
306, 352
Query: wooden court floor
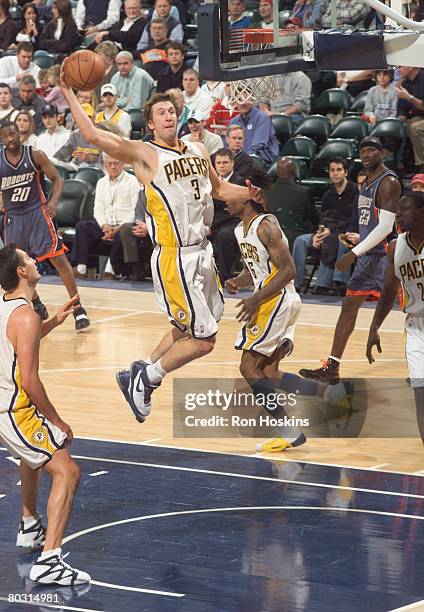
78, 371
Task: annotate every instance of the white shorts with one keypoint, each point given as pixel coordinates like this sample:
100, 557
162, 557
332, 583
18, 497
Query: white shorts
30, 436
414, 350
273, 322
188, 289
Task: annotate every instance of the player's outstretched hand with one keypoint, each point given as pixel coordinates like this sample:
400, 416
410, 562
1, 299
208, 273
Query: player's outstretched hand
67, 308
248, 308
231, 286
373, 340
256, 193
343, 264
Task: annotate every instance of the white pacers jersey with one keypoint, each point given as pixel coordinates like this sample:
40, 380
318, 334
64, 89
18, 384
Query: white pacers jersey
179, 209
409, 269
12, 396
255, 255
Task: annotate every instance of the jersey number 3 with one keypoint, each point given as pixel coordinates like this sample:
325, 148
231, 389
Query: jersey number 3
20, 194
196, 188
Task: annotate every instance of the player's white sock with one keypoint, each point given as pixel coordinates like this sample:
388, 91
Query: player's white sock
82, 269
30, 520
335, 358
50, 553
155, 372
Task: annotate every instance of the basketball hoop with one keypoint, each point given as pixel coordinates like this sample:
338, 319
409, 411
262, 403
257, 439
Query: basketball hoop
252, 90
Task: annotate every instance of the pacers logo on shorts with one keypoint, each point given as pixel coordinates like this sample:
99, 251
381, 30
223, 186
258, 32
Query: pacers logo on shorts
255, 330
181, 316
39, 436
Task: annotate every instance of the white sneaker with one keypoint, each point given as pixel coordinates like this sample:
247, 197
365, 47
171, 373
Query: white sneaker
54, 570
31, 537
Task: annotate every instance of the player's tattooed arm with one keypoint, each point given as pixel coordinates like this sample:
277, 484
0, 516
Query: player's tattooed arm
269, 234
385, 303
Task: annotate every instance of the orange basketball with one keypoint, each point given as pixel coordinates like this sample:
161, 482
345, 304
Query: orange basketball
84, 70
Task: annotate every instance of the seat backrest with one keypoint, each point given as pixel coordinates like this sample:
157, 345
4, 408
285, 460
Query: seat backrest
392, 129
350, 127
89, 175
300, 145
316, 127
45, 61
359, 102
71, 202
258, 161
137, 120
332, 99
335, 148
283, 126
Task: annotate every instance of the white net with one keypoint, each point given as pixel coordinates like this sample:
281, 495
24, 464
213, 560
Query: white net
252, 90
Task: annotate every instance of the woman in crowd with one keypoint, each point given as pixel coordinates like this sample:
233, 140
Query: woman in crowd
30, 27
60, 35
26, 127
8, 27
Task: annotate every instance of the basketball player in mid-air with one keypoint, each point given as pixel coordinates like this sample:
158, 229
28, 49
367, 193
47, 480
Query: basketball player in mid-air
30, 427
405, 267
179, 180
377, 207
269, 315
28, 220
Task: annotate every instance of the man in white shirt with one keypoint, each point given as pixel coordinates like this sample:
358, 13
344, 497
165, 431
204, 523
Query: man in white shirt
114, 204
14, 67
198, 133
55, 135
194, 97
7, 111
111, 112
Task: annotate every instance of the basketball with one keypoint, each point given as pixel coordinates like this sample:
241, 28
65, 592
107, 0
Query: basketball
84, 70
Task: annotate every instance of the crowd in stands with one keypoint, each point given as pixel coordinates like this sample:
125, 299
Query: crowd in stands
144, 48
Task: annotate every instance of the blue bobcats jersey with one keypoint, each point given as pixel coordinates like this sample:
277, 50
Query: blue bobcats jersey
22, 186
368, 211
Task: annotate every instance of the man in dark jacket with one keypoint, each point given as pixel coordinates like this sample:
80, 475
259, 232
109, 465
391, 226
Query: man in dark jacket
127, 31
291, 202
336, 213
222, 232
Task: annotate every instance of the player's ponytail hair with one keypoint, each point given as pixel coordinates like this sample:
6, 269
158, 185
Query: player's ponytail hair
259, 178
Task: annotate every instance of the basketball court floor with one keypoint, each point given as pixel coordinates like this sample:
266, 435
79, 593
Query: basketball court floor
203, 524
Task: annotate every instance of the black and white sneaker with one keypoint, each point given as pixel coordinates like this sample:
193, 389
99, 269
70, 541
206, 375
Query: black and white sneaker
40, 309
82, 322
32, 536
137, 389
54, 570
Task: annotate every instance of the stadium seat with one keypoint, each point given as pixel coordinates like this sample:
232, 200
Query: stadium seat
352, 128
358, 104
138, 124
392, 133
71, 203
258, 160
333, 100
316, 127
89, 175
300, 146
64, 172
283, 126
45, 61
301, 168
16, 12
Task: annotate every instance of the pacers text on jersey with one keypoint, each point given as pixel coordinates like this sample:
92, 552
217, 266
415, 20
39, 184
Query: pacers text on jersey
185, 166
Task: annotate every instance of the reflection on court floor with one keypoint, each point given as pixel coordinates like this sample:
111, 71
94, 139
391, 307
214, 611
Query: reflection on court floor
165, 529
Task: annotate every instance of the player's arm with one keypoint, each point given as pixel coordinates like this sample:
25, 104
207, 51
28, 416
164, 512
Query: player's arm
23, 330
242, 280
385, 303
120, 148
388, 196
44, 164
60, 316
229, 192
269, 234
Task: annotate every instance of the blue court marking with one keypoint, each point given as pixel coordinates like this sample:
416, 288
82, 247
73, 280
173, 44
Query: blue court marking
171, 529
